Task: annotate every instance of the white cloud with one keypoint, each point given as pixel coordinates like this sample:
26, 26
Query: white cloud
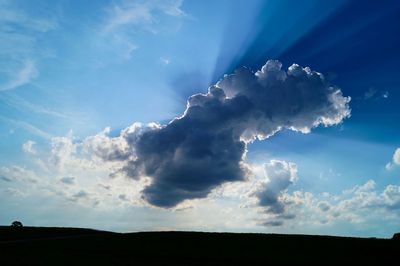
323, 206
123, 21
370, 93
84, 181
17, 173
396, 156
165, 60
361, 204
23, 76
141, 13
20, 103
385, 94
270, 191
374, 94
11, 14
280, 175
395, 160
19, 31
28, 127
68, 180
62, 150
28, 147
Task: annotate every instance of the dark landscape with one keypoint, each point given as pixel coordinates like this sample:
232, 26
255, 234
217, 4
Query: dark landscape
73, 246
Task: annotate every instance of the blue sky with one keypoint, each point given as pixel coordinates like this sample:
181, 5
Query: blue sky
76, 76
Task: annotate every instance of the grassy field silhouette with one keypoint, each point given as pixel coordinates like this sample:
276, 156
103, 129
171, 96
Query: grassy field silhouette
72, 246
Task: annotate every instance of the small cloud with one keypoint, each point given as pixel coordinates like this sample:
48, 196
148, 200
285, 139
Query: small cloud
14, 192
385, 94
373, 94
17, 173
123, 197
79, 195
280, 176
370, 93
27, 147
106, 187
368, 186
395, 160
165, 60
68, 180
141, 13
25, 75
272, 223
323, 206
26, 126
5, 178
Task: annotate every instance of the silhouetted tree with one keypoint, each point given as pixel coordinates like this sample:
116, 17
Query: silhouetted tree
16, 224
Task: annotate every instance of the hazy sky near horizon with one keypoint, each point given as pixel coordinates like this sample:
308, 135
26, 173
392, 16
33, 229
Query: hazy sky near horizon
242, 116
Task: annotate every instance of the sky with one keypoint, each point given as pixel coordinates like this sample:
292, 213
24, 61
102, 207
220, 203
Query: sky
216, 115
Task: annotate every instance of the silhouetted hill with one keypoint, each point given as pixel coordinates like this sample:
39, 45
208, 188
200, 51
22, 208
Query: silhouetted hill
73, 246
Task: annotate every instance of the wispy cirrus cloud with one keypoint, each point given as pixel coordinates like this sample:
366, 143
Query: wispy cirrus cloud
141, 13
126, 19
23, 76
19, 31
11, 15
27, 126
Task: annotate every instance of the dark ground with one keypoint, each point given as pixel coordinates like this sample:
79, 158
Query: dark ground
73, 246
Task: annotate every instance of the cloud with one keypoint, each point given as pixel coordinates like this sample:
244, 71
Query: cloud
141, 13
12, 15
272, 223
5, 178
370, 93
21, 32
117, 148
23, 76
62, 149
21, 104
165, 61
323, 206
123, 197
358, 205
270, 191
18, 174
14, 192
28, 147
125, 19
68, 180
27, 126
395, 160
81, 194
396, 157
391, 196
280, 175
374, 94
206, 146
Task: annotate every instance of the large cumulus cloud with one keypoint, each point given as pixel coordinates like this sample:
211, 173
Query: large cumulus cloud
206, 146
